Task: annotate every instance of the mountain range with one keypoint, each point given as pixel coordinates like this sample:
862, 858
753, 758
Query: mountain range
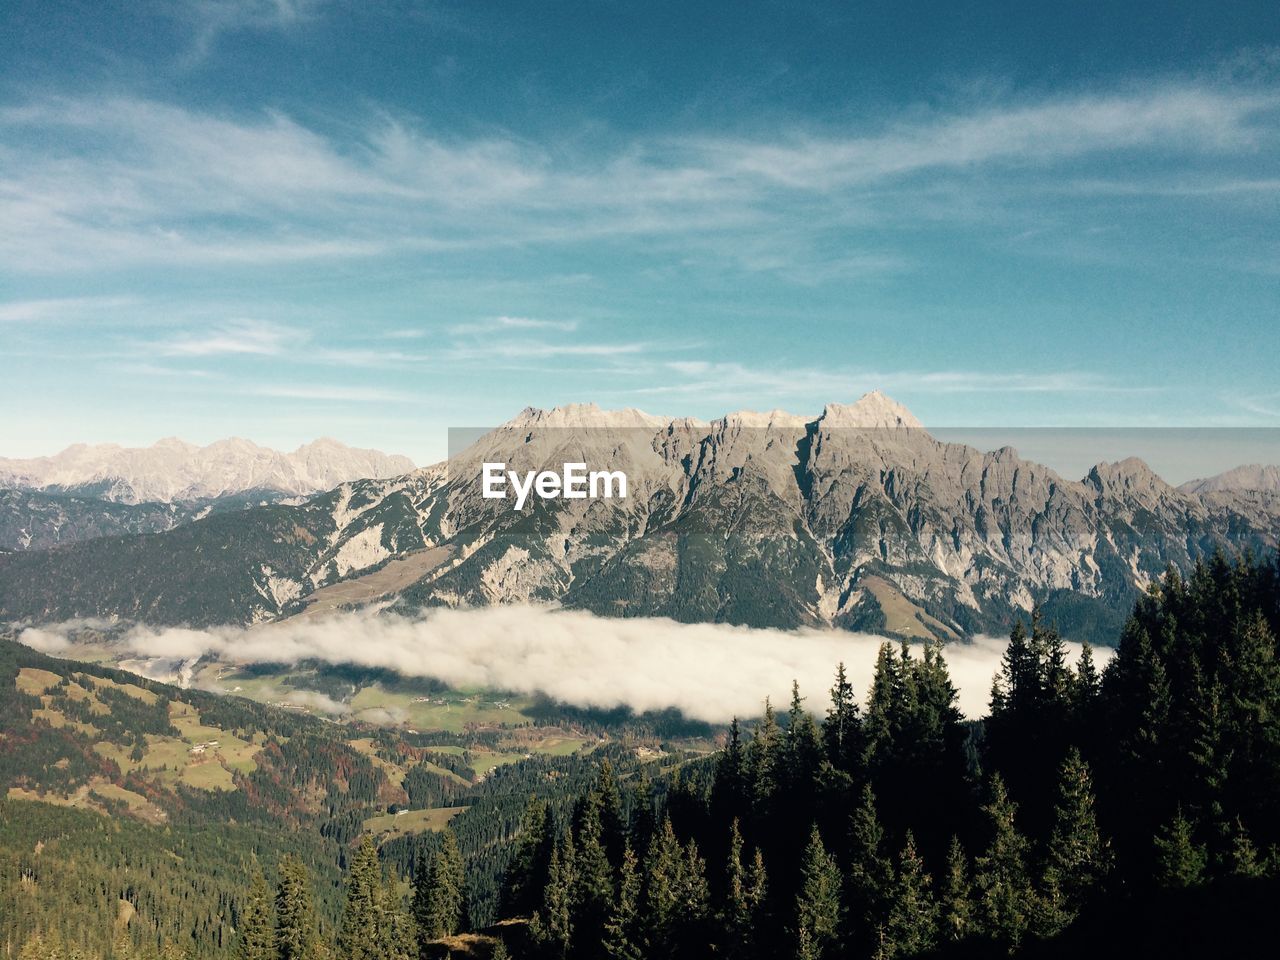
173, 471
97, 490
856, 518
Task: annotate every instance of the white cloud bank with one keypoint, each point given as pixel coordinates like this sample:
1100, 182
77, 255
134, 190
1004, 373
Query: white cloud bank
708, 671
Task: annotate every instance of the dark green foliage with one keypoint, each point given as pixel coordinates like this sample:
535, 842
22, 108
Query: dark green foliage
622, 935
912, 927
1005, 898
1079, 859
440, 892
256, 924
1180, 861
362, 932
818, 908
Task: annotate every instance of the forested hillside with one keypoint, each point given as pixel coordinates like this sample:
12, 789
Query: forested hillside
1082, 811
1134, 811
135, 811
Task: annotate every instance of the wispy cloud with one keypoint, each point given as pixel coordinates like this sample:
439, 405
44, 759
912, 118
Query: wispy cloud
334, 392
507, 324
90, 182
252, 337
705, 378
208, 20
60, 309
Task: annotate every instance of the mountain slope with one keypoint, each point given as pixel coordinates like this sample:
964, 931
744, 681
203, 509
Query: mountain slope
857, 518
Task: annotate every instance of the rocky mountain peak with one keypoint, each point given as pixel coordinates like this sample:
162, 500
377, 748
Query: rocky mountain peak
871, 411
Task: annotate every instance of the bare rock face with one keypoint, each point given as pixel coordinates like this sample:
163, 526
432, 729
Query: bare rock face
855, 518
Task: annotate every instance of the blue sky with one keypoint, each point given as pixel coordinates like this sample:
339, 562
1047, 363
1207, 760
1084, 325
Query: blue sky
290, 218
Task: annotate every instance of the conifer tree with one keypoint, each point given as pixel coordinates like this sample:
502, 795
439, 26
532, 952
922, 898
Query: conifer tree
398, 929
762, 760
957, 896
621, 932
803, 744
440, 892
552, 925
1078, 857
1005, 896
870, 870
257, 925
842, 729
757, 890
526, 874
613, 826
1088, 684
360, 937
1180, 861
818, 906
736, 915
729, 788
592, 893
662, 890
912, 926
1244, 856
296, 935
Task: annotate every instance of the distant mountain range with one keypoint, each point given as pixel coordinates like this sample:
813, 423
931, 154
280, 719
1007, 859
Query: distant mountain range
856, 518
92, 491
173, 471
1251, 477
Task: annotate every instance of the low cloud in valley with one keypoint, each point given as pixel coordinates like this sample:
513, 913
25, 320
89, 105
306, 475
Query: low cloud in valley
708, 671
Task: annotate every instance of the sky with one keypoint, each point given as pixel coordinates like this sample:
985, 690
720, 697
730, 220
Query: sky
284, 219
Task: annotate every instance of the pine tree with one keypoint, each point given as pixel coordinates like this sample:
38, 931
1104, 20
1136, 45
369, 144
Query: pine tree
360, 937
526, 874
621, 932
613, 825
399, 931
803, 746
1244, 856
440, 892
762, 761
842, 729
729, 788
870, 870
257, 925
552, 925
1005, 896
693, 900
296, 934
736, 915
662, 882
1180, 861
818, 907
757, 890
912, 927
593, 893
1079, 859
957, 896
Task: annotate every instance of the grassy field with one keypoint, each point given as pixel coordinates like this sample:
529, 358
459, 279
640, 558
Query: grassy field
392, 825
201, 756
